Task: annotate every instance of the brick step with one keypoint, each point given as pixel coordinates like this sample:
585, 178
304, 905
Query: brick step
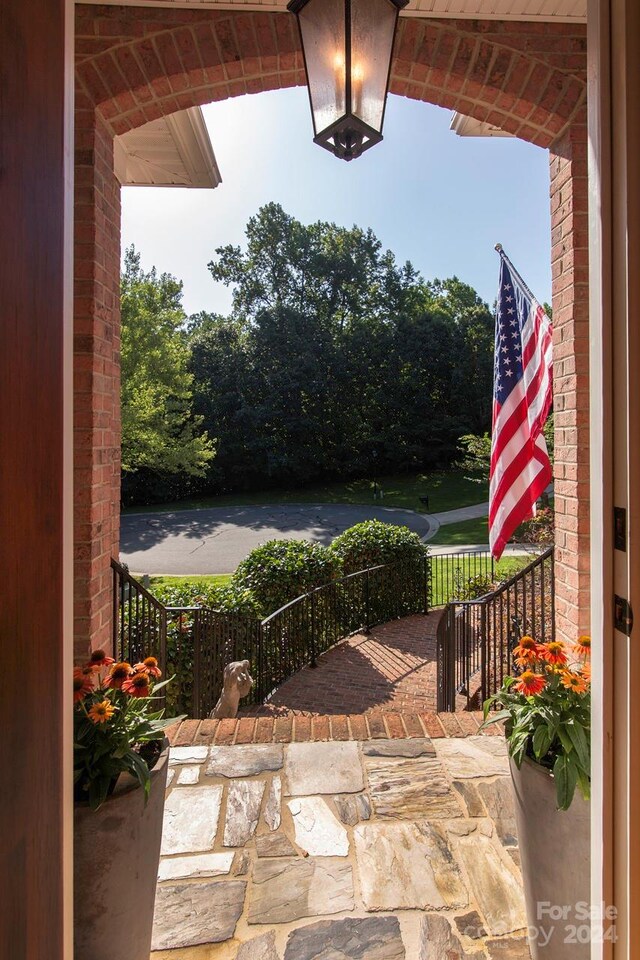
303, 727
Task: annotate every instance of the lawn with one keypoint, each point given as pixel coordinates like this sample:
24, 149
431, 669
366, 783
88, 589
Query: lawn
466, 532
446, 490
212, 580
450, 574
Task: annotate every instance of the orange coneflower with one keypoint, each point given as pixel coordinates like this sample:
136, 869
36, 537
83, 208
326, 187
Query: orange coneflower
585, 671
553, 652
582, 646
82, 683
118, 673
137, 685
526, 651
101, 712
100, 659
530, 683
573, 681
151, 666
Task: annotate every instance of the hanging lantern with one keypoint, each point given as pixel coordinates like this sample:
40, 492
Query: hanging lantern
347, 46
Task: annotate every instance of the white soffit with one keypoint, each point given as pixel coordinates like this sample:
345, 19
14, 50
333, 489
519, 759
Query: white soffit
174, 151
468, 127
550, 10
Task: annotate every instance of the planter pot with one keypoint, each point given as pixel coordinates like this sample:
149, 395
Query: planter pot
555, 857
116, 854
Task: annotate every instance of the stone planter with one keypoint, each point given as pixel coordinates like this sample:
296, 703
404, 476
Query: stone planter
555, 858
116, 854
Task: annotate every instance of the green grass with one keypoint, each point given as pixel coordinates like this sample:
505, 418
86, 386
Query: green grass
448, 574
446, 491
208, 580
465, 532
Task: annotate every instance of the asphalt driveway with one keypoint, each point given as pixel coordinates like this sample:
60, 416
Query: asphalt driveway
215, 540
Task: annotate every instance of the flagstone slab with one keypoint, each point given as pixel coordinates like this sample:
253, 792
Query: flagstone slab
495, 882
473, 757
317, 831
470, 925
414, 788
243, 811
244, 761
420, 747
317, 768
260, 948
200, 865
438, 940
283, 891
179, 755
191, 817
407, 865
497, 796
353, 808
509, 948
469, 793
274, 845
188, 775
190, 913
272, 807
367, 938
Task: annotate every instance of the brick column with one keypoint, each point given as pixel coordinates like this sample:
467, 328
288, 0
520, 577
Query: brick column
570, 267
96, 377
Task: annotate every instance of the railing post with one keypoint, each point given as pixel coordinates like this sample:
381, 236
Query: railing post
425, 572
367, 611
313, 629
196, 666
483, 652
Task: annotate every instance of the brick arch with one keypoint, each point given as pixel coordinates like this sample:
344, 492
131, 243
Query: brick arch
491, 72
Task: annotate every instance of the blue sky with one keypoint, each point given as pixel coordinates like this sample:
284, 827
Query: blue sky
434, 198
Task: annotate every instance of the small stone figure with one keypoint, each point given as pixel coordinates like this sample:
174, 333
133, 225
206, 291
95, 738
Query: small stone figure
237, 683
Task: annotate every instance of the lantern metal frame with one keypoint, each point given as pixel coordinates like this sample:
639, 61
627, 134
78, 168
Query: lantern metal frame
349, 136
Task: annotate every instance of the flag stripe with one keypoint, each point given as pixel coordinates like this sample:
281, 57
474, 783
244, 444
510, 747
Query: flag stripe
520, 467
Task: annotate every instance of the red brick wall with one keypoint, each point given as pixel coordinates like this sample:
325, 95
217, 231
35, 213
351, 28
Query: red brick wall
136, 64
570, 273
96, 376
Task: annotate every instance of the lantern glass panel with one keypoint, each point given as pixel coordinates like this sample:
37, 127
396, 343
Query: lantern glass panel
322, 25
373, 25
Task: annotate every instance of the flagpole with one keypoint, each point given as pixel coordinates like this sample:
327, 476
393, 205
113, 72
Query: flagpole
500, 251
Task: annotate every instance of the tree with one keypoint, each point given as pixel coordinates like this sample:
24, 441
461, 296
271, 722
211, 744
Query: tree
161, 438
336, 361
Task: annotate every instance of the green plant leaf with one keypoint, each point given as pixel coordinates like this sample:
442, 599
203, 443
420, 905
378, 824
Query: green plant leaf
566, 776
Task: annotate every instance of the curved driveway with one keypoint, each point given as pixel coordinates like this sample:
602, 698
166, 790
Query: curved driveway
215, 540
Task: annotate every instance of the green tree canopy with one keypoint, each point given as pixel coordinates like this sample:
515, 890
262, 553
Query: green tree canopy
335, 361
160, 435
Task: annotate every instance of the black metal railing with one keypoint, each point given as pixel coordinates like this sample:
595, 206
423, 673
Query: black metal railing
195, 643
452, 574
475, 638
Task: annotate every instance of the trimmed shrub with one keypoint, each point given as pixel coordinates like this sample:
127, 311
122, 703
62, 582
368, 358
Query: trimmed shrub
372, 542
281, 570
229, 598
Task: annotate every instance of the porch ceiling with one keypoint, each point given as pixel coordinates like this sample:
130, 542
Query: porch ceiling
549, 10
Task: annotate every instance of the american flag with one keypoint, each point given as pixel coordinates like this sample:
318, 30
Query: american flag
522, 397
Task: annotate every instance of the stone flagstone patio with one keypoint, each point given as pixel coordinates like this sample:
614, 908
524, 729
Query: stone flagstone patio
399, 849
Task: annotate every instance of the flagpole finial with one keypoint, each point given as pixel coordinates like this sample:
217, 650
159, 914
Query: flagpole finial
498, 247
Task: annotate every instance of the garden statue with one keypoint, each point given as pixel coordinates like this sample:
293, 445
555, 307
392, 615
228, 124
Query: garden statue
237, 683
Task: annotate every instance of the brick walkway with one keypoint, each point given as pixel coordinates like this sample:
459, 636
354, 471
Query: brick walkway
392, 668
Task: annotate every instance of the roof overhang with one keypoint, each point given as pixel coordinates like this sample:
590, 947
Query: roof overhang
469, 127
568, 11
174, 151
